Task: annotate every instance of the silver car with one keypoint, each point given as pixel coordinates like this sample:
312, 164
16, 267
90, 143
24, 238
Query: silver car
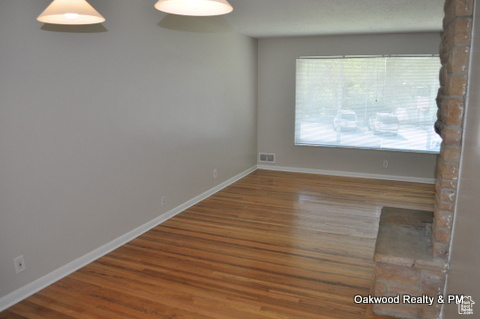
345, 120
384, 123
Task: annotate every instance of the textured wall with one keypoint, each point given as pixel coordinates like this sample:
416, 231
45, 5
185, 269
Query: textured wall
464, 257
454, 54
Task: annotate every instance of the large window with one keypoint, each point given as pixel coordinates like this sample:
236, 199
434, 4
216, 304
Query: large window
385, 103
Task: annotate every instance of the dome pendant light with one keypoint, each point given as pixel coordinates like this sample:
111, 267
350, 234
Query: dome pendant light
76, 12
194, 7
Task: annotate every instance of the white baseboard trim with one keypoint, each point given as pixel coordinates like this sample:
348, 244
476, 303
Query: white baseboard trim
348, 174
37, 285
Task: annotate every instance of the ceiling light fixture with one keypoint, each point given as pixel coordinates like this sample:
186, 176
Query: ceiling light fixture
75, 12
194, 7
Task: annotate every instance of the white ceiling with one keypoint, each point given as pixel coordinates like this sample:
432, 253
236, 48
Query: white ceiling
274, 18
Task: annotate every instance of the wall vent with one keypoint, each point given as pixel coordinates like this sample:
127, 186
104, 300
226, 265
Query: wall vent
266, 158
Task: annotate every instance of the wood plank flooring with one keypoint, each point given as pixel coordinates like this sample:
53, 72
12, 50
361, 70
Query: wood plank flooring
273, 245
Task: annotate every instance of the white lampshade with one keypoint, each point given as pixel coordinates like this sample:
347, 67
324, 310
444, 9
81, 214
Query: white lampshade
70, 12
194, 7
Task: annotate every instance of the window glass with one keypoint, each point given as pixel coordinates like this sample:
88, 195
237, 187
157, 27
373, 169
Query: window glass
385, 103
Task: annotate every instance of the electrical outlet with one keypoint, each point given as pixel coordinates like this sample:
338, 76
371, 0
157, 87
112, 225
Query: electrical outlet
19, 264
163, 200
385, 164
215, 174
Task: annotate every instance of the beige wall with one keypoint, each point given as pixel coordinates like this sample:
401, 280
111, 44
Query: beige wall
276, 104
96, 127
464, 277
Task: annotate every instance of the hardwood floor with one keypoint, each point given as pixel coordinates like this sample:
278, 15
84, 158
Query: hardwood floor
273, 245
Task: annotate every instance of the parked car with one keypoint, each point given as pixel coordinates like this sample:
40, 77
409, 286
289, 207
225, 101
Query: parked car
384, 123
345, 120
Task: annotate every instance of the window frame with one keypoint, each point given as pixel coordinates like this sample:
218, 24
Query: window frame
296, 129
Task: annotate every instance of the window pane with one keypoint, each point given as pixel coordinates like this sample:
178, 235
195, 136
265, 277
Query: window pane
383, 103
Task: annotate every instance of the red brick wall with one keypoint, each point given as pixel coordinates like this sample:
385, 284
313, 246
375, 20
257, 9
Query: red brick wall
454, 54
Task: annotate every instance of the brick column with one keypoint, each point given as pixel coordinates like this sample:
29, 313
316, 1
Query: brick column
397, 274
454, 55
